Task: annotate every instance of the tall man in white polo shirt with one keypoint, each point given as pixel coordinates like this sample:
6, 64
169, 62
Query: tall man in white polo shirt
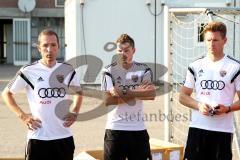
126, 83
48, 84
216, 79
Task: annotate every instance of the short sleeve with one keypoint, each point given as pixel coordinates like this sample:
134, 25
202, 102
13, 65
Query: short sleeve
148, 75
17, 83
190, 78
107, 81
74, 80
237, 81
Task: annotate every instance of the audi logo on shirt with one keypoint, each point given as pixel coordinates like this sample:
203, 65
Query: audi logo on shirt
51, 92
128, 86
212, 84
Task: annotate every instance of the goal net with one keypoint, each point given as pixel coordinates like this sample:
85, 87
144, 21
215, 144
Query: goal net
186, 45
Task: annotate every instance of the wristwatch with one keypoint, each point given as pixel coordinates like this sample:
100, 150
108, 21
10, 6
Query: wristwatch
229, 109
124, 91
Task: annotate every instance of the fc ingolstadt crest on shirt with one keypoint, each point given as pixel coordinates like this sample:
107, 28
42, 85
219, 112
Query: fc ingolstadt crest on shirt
119, 79
223, 73
60, 78
134, 78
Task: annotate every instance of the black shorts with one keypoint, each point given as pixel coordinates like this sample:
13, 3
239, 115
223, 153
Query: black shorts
60, 149
119, 145
208, 145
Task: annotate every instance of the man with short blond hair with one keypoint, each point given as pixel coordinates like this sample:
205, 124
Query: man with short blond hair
216, 80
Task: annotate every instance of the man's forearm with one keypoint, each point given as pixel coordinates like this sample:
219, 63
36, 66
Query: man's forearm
149, 94
188, 101
143, 92
11, 103
113, 100
77, 102
235, 106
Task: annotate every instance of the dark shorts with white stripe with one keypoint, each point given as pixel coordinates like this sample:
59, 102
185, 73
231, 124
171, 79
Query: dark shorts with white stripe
133, 145
59, 149
208, 145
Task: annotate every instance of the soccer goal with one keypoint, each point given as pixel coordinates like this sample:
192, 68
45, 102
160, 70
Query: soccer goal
186, 45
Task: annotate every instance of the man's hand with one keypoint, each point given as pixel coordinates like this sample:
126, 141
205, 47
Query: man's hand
204, 108
32, 122
145, 91
221, 109
115, 92
69, 119
218, 110
117, 97
146, 85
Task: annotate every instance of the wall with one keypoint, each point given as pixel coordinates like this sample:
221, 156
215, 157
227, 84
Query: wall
104, 21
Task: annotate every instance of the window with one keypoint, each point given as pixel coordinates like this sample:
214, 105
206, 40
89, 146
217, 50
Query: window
59, 3
38, 24
198, 33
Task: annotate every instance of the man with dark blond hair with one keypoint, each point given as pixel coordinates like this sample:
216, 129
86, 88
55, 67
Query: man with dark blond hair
126, 84
216, 80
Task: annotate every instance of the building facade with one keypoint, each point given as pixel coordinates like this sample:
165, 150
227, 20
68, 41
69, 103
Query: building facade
20, 23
